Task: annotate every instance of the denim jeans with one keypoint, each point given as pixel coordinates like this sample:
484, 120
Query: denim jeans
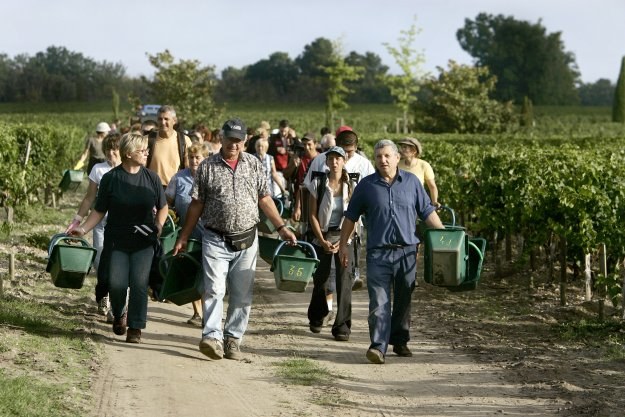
224, 267
98, 241
130, 269
390, 269
318, 307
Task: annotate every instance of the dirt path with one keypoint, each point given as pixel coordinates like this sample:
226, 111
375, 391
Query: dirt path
166, 375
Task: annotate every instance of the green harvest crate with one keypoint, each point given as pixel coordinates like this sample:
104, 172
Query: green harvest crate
182, 275
445, 256
267, 248
294, 272
169, 234
69, 260
71, 180
264, 225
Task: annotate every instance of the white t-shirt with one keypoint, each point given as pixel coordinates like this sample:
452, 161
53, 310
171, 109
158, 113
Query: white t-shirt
98, 171
356, 164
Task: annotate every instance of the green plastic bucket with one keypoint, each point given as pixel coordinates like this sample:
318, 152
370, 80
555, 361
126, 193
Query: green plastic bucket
71, 180
294, 272
265, 225
69, 260
182, 274
169, 234
267, 248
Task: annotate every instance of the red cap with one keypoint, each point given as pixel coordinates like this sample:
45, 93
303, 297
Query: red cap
343, 129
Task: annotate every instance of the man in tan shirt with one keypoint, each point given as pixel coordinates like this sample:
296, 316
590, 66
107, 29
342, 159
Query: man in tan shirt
167, 147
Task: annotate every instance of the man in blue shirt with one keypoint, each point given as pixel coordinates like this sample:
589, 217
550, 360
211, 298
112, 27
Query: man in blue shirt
390, 199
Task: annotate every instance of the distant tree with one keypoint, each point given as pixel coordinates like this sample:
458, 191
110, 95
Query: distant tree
316, 56
599, 93
370, 88
404, 87
459, 102
279, 71
526, 60
338, 73
233, 86
618, 108
187, 86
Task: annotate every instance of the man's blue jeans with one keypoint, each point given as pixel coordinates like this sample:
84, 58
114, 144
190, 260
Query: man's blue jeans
390, 269
224, 267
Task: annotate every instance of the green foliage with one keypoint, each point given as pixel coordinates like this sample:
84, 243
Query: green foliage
613, 284
618, 108
459, 102
338, 73
525, 59
51, 148
404, 87
187, 86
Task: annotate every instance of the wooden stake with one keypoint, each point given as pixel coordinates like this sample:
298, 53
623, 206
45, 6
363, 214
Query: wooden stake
588, 276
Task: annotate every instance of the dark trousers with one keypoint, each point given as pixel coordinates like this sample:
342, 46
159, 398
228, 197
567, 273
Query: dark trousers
390, 270
318, 307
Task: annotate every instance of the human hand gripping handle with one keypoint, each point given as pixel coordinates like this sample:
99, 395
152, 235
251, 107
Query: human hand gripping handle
286, 234
74, 224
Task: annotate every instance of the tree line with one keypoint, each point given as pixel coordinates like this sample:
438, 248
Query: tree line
526, 60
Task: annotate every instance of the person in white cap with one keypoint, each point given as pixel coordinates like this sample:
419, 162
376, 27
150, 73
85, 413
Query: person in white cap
93, 148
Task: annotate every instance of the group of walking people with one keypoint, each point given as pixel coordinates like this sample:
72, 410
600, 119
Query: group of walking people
218, 198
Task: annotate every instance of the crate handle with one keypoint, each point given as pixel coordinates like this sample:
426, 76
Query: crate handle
64, 236
162, 264
301, 244
475, 248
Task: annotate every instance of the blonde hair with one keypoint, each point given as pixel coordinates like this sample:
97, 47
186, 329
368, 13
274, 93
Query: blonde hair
261, 141
198, 149
130, 142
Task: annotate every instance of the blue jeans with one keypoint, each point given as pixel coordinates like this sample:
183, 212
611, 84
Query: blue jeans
222, 266
390, 269
130, 269
98, 240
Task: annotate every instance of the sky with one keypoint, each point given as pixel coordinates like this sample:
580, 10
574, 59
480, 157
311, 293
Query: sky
236, 33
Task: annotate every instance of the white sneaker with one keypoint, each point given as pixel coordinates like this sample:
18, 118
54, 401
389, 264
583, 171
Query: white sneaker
104, 306
109, 316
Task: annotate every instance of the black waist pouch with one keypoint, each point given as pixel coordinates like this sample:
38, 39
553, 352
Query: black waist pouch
237, 241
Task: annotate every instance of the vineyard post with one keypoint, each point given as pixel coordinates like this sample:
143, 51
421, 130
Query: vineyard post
563, 250
588, 276
603, 270
11, 266
622, 274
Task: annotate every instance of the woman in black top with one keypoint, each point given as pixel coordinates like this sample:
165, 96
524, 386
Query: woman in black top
135, 201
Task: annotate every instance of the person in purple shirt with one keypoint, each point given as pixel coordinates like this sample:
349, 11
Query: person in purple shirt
390, 199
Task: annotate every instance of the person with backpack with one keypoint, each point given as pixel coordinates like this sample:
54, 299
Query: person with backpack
329, 197
167, 146
358, 167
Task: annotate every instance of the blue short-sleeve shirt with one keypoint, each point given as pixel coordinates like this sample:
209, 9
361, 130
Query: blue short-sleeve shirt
391, 210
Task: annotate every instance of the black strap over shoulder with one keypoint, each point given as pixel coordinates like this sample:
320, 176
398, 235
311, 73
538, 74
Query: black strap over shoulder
182, 147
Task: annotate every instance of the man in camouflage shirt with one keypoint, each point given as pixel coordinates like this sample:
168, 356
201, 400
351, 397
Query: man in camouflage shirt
229, 188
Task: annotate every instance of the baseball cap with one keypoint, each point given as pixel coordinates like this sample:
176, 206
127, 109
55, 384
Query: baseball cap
344, 128
337, 150
102, 127
309, 136
413, 142
234, 128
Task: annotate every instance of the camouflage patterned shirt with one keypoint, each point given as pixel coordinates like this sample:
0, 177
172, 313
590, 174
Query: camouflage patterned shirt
230, 197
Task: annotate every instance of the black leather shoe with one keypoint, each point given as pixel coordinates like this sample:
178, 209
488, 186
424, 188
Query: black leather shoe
402, 350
